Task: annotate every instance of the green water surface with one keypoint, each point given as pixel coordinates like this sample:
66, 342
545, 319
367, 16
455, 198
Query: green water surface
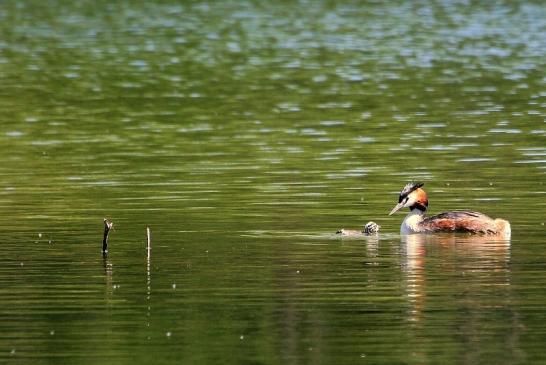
244, 134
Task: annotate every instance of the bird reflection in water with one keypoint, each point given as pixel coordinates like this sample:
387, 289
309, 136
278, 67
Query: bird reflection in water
464, 282
479, 260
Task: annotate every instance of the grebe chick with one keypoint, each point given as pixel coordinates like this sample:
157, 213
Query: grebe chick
370, 229
415, 198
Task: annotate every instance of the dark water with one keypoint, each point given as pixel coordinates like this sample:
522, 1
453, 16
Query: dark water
244, 134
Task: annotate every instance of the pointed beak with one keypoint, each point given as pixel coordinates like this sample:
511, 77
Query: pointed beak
396, 208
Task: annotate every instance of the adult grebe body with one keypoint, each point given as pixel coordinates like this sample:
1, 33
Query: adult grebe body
415, 198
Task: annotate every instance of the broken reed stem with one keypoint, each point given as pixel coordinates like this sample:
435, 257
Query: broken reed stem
149, 244
108, 225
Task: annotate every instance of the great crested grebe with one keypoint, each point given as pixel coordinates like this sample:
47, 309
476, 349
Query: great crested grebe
415, 198
370, 228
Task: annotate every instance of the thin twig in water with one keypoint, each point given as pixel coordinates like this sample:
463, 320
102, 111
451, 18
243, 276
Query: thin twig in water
149, 244
108, 225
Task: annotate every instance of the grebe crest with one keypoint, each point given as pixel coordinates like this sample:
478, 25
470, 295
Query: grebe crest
412, 196
415, 198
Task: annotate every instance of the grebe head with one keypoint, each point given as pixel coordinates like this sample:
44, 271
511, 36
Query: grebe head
371, 228
412, 196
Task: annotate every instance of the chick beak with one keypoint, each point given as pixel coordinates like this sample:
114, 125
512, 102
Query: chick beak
397, 208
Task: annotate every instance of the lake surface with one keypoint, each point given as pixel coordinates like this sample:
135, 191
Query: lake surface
244, 134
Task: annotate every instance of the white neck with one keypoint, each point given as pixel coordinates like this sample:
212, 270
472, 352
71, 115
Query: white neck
411, 222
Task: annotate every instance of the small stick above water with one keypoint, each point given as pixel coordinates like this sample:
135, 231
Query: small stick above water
108, 225
149, 242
